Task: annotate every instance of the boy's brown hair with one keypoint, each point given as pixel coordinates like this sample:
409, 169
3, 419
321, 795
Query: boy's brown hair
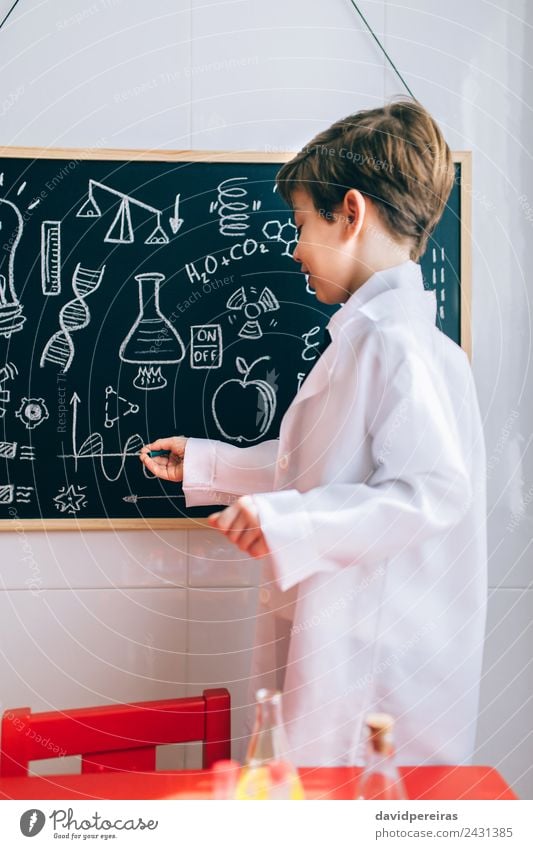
395, 155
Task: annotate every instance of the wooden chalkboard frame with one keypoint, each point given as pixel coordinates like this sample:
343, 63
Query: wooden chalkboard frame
462, 158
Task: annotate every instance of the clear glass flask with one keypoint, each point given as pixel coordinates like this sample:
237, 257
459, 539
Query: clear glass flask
380, 778
268, 772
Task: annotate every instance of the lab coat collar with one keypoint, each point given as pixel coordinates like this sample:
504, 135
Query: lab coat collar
373, 297
397, 292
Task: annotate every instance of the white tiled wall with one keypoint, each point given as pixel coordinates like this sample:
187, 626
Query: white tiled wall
95, 617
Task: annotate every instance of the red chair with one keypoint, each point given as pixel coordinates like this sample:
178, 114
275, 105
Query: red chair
119, 737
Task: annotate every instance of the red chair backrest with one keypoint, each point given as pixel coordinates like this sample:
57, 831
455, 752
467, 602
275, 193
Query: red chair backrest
116, 737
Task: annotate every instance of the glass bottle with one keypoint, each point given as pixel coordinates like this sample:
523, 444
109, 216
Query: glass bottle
380, 778
268, 772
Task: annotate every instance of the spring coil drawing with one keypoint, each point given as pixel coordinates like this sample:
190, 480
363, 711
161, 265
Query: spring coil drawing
232, 210
73, 316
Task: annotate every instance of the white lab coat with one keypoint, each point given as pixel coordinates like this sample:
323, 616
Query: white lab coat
373, 506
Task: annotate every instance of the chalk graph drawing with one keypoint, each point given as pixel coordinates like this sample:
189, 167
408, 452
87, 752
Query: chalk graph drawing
7, 372
32, 412
255, 400
206, 346
286, 233
51, 257
93, 447
233, 207
11, 228
73, 316
121, 230
116, 407
253, 308
71, 499
152, 340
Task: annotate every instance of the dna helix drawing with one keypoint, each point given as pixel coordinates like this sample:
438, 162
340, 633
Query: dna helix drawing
73, 316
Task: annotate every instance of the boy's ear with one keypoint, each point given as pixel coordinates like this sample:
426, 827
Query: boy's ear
353, 209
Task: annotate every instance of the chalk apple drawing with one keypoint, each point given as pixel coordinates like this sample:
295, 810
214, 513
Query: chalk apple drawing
254, 400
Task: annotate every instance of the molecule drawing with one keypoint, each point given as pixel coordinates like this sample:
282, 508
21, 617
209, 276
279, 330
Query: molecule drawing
285, 233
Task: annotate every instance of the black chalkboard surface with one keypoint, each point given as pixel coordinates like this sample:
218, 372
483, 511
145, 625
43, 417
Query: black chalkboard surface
147, 295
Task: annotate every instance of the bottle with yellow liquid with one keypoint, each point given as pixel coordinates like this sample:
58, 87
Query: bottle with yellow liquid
268, 772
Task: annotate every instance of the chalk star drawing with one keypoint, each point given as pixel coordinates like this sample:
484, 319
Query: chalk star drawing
71, 499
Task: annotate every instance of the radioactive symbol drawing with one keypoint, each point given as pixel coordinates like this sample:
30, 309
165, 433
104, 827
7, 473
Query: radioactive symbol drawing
253, 308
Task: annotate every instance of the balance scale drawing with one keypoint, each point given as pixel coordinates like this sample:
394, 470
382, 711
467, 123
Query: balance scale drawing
121, 229
93, 447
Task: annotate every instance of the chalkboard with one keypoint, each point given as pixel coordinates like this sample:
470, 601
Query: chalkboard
145, 295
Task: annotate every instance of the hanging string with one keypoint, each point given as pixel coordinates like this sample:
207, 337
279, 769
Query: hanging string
378, 42
8, 14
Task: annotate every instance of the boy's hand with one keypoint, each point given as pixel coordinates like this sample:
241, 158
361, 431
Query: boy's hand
167, 468
240, 523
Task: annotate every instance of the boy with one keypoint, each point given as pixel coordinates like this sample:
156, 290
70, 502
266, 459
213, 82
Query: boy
370, 507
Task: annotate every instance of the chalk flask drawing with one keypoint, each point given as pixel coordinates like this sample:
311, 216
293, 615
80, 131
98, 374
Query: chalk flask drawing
11, 227
152, 340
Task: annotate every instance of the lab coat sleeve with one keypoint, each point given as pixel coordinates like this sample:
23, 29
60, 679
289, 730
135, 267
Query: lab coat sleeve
217, 473
419, 485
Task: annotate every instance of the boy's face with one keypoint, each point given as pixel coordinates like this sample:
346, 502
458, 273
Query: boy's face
323, 250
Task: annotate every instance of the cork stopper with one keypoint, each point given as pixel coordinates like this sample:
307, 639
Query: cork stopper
380, 727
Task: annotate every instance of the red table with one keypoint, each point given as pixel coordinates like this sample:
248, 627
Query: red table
426, 782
